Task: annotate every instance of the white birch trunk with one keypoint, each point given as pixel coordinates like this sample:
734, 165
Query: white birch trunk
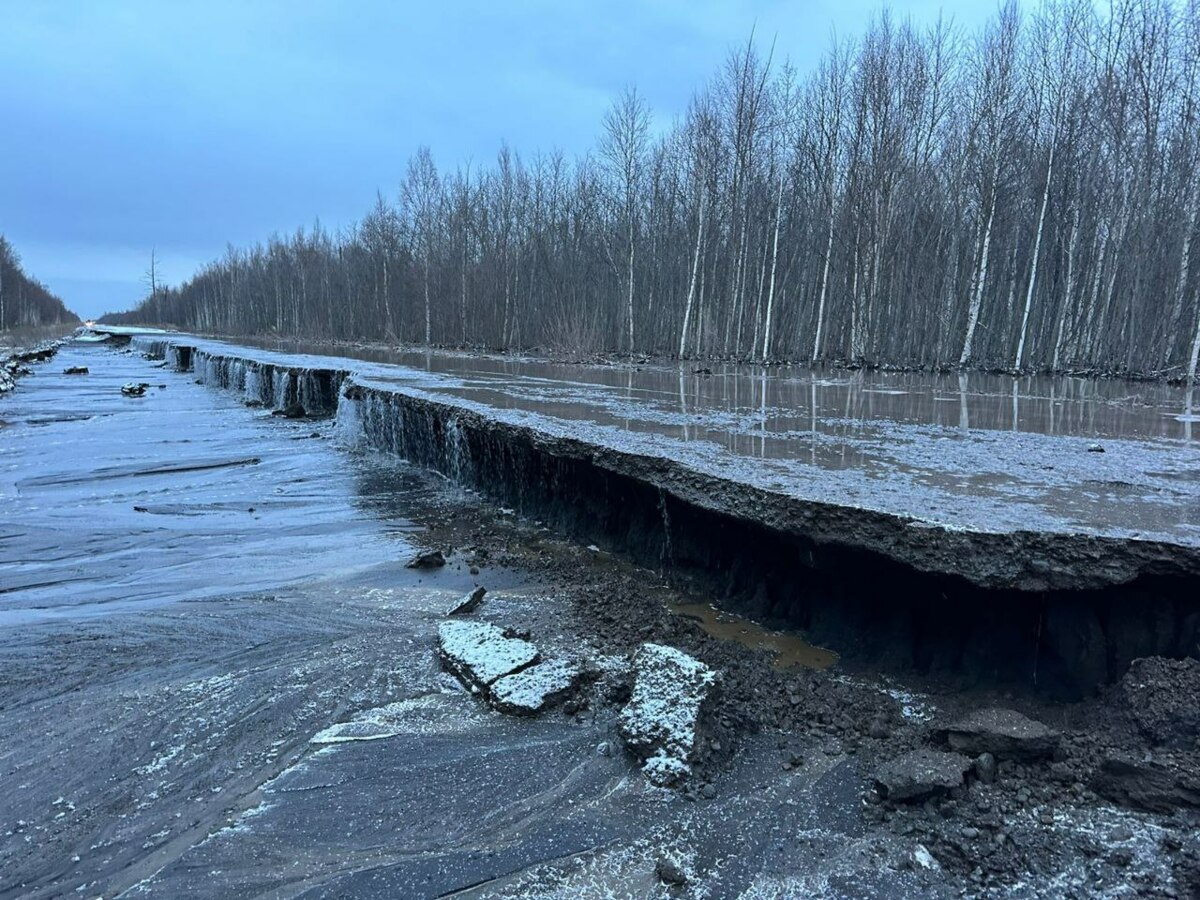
1033, 266
774, 263
1185, 260
691, 294
816, 353
980, 281
1068, 292
629, 306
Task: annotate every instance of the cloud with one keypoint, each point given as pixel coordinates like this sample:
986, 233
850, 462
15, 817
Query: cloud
130, 124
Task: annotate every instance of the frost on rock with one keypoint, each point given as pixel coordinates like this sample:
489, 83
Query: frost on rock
659, 722
537, 688
469, 603
478, 653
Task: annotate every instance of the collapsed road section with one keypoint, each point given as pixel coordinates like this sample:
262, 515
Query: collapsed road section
1035, 559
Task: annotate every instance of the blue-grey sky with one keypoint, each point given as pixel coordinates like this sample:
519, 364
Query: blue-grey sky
127, 125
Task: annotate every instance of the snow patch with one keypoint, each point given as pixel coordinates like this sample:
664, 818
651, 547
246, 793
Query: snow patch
659, 723
479, 653
537, 688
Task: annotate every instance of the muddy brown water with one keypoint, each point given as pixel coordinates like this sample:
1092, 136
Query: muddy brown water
789, 650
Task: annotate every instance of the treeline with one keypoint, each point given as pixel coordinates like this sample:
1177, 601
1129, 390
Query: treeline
1024, 197
25, 302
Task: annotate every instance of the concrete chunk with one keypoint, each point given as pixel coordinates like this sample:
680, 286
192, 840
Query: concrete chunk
478, 653
537, 688
427, 559
659, 722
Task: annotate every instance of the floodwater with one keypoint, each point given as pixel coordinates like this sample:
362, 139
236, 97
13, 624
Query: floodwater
783, 402
219, 679
114, 502
974, 451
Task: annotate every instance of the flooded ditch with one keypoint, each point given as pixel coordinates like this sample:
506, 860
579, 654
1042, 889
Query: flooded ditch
1021, 586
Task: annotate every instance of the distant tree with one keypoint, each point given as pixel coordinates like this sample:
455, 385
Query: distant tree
1026, 196
623, 145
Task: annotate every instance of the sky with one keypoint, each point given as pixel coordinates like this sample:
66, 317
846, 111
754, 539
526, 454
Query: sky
131, 127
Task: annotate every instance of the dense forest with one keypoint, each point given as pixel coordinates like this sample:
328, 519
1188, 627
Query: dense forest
25, 302
1023, 197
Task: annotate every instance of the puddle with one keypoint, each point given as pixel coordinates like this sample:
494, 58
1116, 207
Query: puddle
791, 650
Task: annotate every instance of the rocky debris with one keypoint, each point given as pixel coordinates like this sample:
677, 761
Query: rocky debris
1163, 696
1095, 448
922, 773
1004, 733
537, 688
986, 768
479, 653
660, 722
428, 559
40, 353
134, 389
469, 603
75, 370
13, 365
292, 411
670, 872
1146, 785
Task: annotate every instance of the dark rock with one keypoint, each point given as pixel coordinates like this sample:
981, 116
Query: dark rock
75, 370
293, 411
1163, 696
428, 559
1122, 857
469, 603
670, 872
1095, 448
1004, 733
922, 773
134, 389
985, 768
1148, 785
